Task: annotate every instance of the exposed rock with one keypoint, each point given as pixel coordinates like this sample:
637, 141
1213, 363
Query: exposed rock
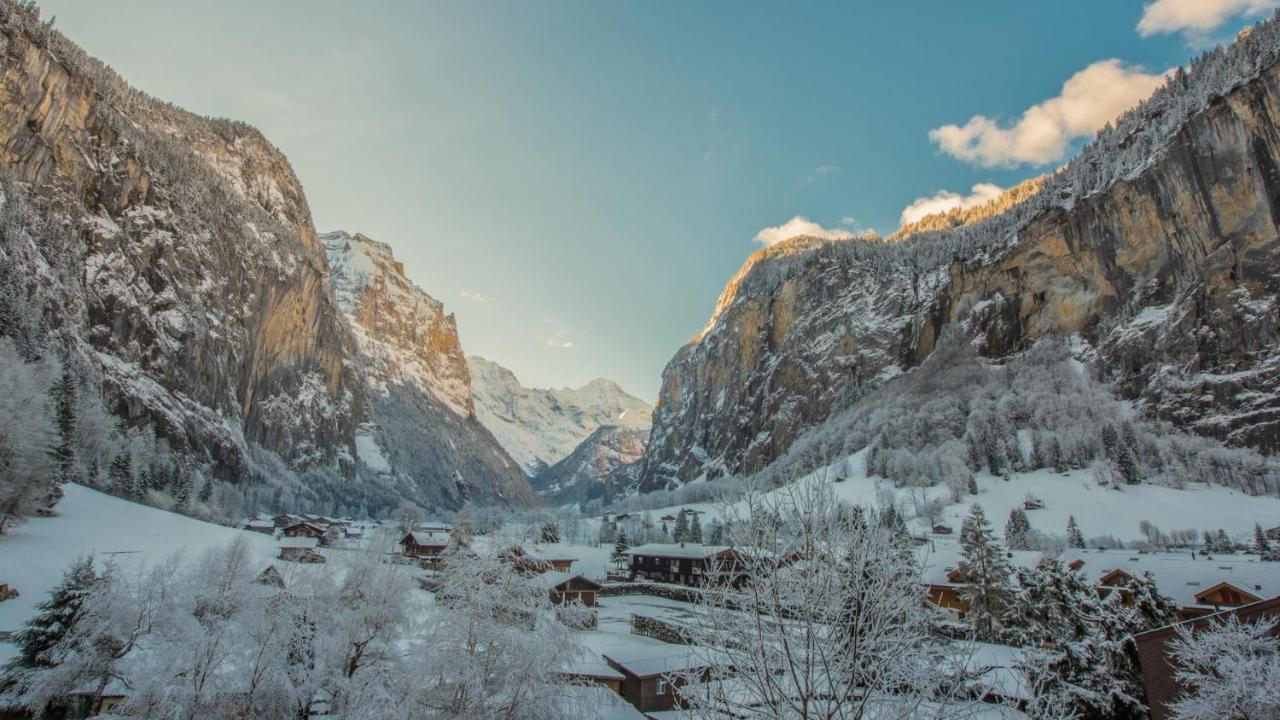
586, 474
1168, 270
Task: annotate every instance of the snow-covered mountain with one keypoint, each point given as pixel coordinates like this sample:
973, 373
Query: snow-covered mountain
170, 263
540, 427
588, 472
422, 428
1158, 248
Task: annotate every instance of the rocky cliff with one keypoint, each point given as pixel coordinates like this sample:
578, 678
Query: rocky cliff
422, 428
1157, 247
199, 293
588, 472
172, 260
540, 427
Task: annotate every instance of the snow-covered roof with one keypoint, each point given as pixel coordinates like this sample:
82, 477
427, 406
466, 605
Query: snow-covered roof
1178, 576
298, 542
434, 539
260, 523
939, 558
555, 579
675, 661
593, 668
684, 551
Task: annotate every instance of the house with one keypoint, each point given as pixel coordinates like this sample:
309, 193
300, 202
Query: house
533, 562
1153, 650
6, 592
651, 683
1198, 585
594, 671
1273, 533
425, 545
1033, 503
264, 526
300, 549
940, 567
303, 529
685, 563
941, 530
285, 520
566, 587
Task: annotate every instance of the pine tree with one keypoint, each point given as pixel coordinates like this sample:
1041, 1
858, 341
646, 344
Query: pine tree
64, 453
1074, 537
717, 533
1224, 543
120, 476
972, 485
986, 574
1127, 464
620, 548
1017, 531
206, 493
1210, 544
1110, 441
1261, 544
54, 618
550, 533
1056, 455
681, 532
695, 530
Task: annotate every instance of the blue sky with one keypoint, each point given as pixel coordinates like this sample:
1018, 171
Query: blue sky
578, 180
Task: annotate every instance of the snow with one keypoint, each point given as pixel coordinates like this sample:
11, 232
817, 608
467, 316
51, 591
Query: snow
371, 453
34, 555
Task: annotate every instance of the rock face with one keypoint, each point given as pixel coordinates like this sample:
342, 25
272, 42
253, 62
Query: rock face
588, 472
422, 428
177, 263
540, 427
1159, 246
200, 291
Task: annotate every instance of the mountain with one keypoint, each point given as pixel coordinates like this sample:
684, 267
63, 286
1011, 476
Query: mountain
1157, 249
170, 262
540, 427
589, 471
422, 427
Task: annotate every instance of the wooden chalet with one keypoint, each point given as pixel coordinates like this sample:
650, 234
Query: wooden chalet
1198, 586
300, 549
425, 546
595, 671
943, 579
260, 525
651, 683
566, 587
303, 529
270, 576
1272, 533
684, 563
1153, 650
533, 562
942, 530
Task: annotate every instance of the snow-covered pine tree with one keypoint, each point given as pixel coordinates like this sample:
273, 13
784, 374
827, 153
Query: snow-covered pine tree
1262, 545
120, 476
986, 574
972, 485
716, 534
54, 617
550, 533
695, 530
64, 397
1075, 538
1223, 541
1017, 531
620, 548
681, 531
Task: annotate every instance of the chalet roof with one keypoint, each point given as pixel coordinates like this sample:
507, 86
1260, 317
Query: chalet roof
298, 542
556, 578
1178, 576
940, 557
675, 661
259, 523
429, 539
593, 669
679, 551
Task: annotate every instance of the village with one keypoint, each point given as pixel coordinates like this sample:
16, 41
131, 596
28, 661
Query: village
642, 601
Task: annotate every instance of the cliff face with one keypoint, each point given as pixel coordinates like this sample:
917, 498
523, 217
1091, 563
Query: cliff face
541, 427
202, 294
422, 428
1166, 266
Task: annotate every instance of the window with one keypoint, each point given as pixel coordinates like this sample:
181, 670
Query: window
675, 566
662, 686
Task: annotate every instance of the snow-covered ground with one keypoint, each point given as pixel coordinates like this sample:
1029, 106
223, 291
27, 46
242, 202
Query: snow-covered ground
34, 555
1098, 510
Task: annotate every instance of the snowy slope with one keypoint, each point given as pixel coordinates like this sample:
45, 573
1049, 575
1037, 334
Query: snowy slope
1097, 510
34, 555
539, 427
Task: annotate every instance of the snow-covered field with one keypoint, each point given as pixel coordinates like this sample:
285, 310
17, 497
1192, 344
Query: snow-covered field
1098, 510
34, 555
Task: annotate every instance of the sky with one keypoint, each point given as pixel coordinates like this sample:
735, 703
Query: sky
578, 180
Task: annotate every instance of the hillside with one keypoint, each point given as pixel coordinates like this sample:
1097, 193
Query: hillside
542, 426
1162, 234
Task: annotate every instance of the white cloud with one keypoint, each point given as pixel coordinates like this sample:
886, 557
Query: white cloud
1196, 17
799, 225
944, 200
474, 296
1090, 99
557, 333
820, 172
